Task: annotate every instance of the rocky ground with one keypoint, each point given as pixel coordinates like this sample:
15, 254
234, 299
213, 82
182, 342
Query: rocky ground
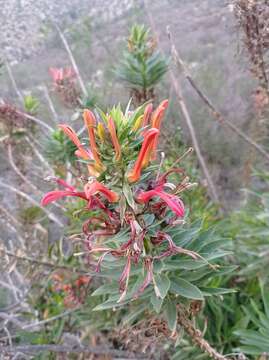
24, 22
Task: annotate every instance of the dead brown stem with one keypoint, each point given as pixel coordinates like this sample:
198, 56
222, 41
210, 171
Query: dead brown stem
42, 263
197, 336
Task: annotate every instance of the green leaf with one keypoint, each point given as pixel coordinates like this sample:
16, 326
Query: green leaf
171, 314
161, 285
186, 289
106, 289
129, 195
158, 266
156, 302
215, 291
265, 298
188, 264
134, 314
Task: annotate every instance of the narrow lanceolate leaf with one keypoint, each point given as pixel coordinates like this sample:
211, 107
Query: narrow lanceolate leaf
156, 302
128, 195
186, 289
106, 289
215, 291
134, 314
171, 314
161, 285
265, 298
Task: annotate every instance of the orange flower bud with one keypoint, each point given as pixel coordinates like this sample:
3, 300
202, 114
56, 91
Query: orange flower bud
143, 155
90, 122
114, 138
81, 152
156, 123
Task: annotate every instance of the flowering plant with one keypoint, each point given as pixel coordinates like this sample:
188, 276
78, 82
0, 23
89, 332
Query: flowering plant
64, 84
135, 234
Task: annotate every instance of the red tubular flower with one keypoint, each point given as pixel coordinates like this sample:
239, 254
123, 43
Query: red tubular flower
143, 155
90, 123
172, 201
81, 152
114, 138
156, 123
94, 187
58, 194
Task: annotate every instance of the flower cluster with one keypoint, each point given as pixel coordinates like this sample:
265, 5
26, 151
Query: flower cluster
65, 86
123, 188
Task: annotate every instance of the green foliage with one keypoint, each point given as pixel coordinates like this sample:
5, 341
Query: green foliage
31, 104
250, 228
254, 336
142, 66
91, 100
176, 278
31, 214
60, 150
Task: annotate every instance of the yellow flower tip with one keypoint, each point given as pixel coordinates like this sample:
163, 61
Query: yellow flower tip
93, 171
138, 123
101, 131
132, 177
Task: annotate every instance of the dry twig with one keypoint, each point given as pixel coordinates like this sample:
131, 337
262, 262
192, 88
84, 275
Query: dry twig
50, 215
36, 120
50, 103
179, 62
72, 60
13, 81
43, 263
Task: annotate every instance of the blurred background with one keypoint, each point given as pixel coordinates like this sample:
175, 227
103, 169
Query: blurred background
58, 57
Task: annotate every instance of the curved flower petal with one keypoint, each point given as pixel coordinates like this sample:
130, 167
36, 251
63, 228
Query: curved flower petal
143, 155
96, 187
172, 201
73, 137
58, 194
